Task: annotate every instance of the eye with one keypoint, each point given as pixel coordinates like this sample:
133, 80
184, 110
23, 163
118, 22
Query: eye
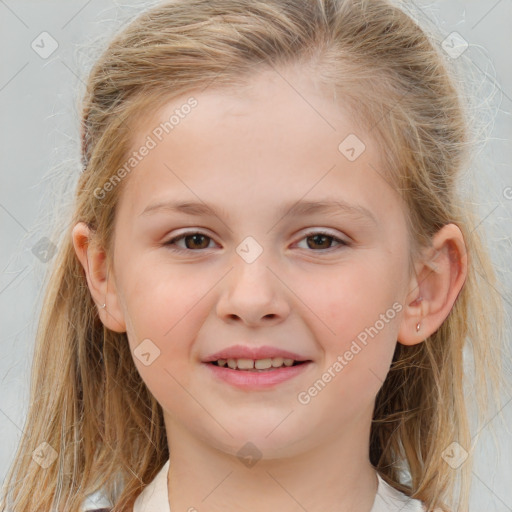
196, 241
323, 239
193, 240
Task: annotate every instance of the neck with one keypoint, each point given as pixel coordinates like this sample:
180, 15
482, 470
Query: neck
336, 475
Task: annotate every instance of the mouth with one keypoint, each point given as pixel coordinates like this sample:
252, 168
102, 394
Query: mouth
257, 365
257, 375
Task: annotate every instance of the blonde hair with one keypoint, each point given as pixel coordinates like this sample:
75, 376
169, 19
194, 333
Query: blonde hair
88, 401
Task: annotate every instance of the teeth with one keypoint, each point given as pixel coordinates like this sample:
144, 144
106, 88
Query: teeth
277, 362
263, 364
244, 364
258, 364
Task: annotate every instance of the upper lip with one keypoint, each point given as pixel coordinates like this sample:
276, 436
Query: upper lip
245, 352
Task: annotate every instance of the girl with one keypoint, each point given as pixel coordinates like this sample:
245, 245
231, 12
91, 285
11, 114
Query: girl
269, 280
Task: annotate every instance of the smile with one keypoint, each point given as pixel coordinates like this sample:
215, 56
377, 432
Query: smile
256, 374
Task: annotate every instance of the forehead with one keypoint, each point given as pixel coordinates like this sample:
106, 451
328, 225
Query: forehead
279, 137
288, 98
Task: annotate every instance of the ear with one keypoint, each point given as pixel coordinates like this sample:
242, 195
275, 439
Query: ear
100, 281
438, 279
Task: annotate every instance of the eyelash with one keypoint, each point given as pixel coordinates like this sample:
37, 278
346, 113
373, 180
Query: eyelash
170, 243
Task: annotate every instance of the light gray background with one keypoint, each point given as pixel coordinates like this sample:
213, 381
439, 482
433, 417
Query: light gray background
39, 139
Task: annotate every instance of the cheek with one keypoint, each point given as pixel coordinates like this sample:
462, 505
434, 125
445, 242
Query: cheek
162, 300
361, 311
354, 297
164, 311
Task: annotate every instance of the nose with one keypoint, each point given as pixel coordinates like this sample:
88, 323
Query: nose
253, 293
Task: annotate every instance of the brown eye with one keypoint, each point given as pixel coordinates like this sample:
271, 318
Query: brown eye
194, 241
319, 241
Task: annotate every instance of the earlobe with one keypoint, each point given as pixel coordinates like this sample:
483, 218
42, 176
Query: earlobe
437, 282
101, 285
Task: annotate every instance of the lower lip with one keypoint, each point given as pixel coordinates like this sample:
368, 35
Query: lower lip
256, 380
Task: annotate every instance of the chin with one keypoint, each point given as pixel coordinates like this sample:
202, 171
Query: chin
259, 441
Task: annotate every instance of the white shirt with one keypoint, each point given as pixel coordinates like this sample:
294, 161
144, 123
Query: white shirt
155, 497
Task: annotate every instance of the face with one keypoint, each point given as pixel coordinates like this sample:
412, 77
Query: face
327, 285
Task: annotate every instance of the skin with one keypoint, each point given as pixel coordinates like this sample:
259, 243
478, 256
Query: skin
249, 152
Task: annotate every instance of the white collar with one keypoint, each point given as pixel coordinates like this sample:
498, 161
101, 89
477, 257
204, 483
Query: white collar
155, 495
388, 499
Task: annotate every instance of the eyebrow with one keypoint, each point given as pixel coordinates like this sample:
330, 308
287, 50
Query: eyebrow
297, 208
